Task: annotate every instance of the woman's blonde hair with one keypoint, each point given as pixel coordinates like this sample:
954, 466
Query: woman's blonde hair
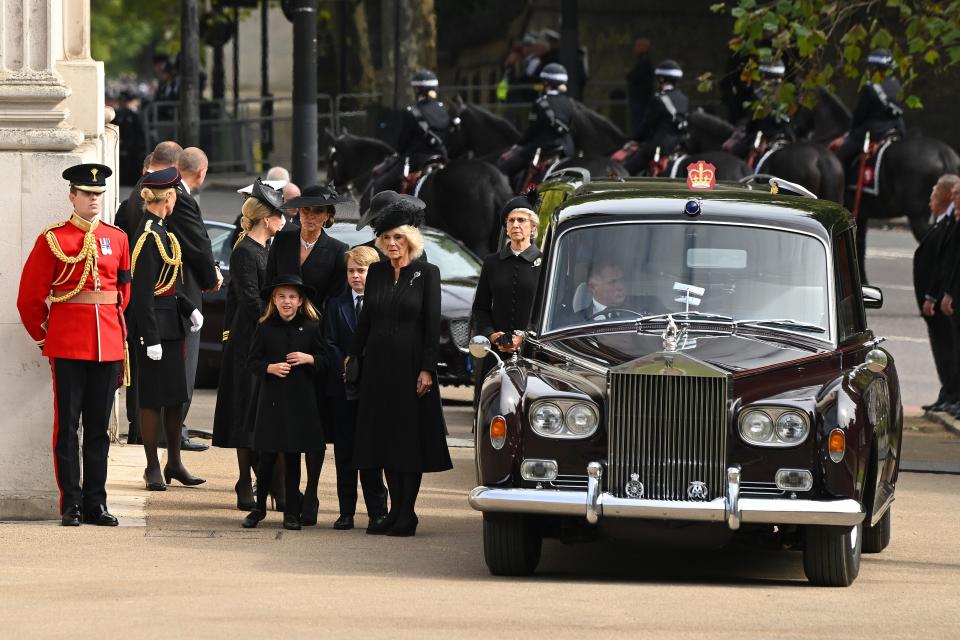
534, 223
151, 196
306, 308
363, 256
253, 211
413, 236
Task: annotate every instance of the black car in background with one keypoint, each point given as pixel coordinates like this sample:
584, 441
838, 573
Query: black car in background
459, 270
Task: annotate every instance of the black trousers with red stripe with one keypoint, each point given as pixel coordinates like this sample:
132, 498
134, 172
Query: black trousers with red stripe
83, 390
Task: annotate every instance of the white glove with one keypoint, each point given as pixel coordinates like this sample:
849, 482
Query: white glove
155, 352
196, 321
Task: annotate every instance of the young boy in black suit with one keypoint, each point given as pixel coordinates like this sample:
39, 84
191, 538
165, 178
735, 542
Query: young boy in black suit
340, 322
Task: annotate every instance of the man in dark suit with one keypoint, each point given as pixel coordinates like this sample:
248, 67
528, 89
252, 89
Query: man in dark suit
608, 295
340, 322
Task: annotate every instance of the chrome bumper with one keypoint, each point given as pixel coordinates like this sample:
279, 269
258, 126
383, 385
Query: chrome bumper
731, 509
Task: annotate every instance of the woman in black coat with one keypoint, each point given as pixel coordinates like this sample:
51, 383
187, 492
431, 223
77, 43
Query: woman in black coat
261, 219
400, 426
289, 358
508, 283
309, 253
159, 318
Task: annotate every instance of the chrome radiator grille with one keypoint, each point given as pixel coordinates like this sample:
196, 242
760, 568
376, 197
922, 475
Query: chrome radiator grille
460, 331
671, 431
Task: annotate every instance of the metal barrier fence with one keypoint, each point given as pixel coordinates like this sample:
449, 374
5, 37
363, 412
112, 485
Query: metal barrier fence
239, 136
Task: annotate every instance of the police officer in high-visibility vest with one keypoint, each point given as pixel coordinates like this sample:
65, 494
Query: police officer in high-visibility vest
73, 290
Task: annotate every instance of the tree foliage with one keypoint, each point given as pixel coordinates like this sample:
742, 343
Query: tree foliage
824, 42
120, 31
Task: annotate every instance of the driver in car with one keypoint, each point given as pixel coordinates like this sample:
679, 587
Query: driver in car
608, 290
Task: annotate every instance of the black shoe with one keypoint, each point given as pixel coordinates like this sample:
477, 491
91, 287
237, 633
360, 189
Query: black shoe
253, 519
153, 485
181, 475
308, 512
291, 522
343, 523
405, 527
379, 525
933, 408
186, 444
244, 504
71, 516
100, 517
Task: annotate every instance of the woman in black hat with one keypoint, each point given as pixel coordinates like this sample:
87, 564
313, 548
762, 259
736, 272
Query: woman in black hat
261, 219
289, 358
400, 425
309, 253
159, 317
508, 282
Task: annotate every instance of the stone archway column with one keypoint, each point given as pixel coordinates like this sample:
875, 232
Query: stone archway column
51, 117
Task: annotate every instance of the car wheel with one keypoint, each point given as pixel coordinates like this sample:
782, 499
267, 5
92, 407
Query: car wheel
831, 557
877, 537
511, 543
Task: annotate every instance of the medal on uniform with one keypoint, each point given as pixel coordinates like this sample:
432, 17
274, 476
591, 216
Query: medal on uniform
105, 247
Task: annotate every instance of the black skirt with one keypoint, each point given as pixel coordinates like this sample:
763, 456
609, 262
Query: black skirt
163, 382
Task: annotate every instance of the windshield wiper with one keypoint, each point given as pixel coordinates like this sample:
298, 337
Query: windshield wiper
688, 315
783, 323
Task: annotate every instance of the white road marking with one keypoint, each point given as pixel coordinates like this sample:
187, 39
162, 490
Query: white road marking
895, 287
890, 254
910, 339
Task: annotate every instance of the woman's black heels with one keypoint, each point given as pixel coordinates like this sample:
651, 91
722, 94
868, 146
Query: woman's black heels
381, 526
253, 519
244, 503
309, 511
404, 527
291, 521
151, 485
182, 476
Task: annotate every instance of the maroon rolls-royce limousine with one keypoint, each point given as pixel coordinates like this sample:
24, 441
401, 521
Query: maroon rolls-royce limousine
698, 368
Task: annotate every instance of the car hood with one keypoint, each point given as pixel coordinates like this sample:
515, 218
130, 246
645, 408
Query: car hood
734, 353
456, 297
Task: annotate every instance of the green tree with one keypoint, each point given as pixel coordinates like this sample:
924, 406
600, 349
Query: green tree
120, 31
826, 41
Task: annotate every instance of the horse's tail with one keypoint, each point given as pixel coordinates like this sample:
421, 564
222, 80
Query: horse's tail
949, 159
831, 176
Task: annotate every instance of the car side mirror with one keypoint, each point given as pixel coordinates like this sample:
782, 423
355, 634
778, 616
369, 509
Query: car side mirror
872, 297
480, 347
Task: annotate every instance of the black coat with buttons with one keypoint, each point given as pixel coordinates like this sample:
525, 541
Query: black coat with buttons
505, 293
287, 413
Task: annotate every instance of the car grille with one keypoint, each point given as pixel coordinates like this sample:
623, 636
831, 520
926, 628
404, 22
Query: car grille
569, 482
669, 430
761, 489
460, 331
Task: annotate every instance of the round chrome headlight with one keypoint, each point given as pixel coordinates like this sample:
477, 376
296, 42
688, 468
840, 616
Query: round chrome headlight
582, 420
791, 428
756, 426
547, 419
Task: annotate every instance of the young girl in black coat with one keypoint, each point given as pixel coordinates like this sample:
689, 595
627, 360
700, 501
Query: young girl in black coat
289, 358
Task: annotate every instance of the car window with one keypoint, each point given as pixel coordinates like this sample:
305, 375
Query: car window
746, 273
851, 318
220, 241
348, 234
454, 262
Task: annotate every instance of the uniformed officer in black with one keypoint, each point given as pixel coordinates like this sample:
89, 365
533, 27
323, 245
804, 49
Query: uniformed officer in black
773, 127
508, 282
550, 119
425, 128
878, 110
665, 119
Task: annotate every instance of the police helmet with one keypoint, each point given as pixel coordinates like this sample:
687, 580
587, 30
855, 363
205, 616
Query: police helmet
553, 74
881, 58
774, 69
424, 79
669, 69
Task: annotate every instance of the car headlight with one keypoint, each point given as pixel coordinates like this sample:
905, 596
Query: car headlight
547, 419
563, 418
756, 427
774, 427
582, 420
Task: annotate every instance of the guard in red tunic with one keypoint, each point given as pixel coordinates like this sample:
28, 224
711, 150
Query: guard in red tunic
73, 290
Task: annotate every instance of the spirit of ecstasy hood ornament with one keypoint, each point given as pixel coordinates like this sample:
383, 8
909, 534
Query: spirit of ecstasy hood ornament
671, 336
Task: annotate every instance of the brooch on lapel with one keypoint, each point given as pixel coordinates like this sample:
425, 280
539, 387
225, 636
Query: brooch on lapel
536, 263
415, 276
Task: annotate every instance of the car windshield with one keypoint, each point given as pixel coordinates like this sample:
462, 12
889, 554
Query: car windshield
619, 272
219, 235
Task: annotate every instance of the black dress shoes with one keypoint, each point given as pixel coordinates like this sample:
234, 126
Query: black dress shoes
186, 444
343, 523
100, 516
291, 522
253, 519
181, 475
308, 512
71, 516
379, 525
405, 527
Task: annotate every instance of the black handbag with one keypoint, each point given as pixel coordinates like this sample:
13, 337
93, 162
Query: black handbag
351, 378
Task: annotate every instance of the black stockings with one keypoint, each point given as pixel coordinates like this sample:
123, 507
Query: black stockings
244, 466
314, 460
404, 488
291, 480
150, 424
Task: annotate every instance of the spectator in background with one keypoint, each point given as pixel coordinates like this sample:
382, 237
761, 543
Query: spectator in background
640, 82
132, 136
291, 191
278, 173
